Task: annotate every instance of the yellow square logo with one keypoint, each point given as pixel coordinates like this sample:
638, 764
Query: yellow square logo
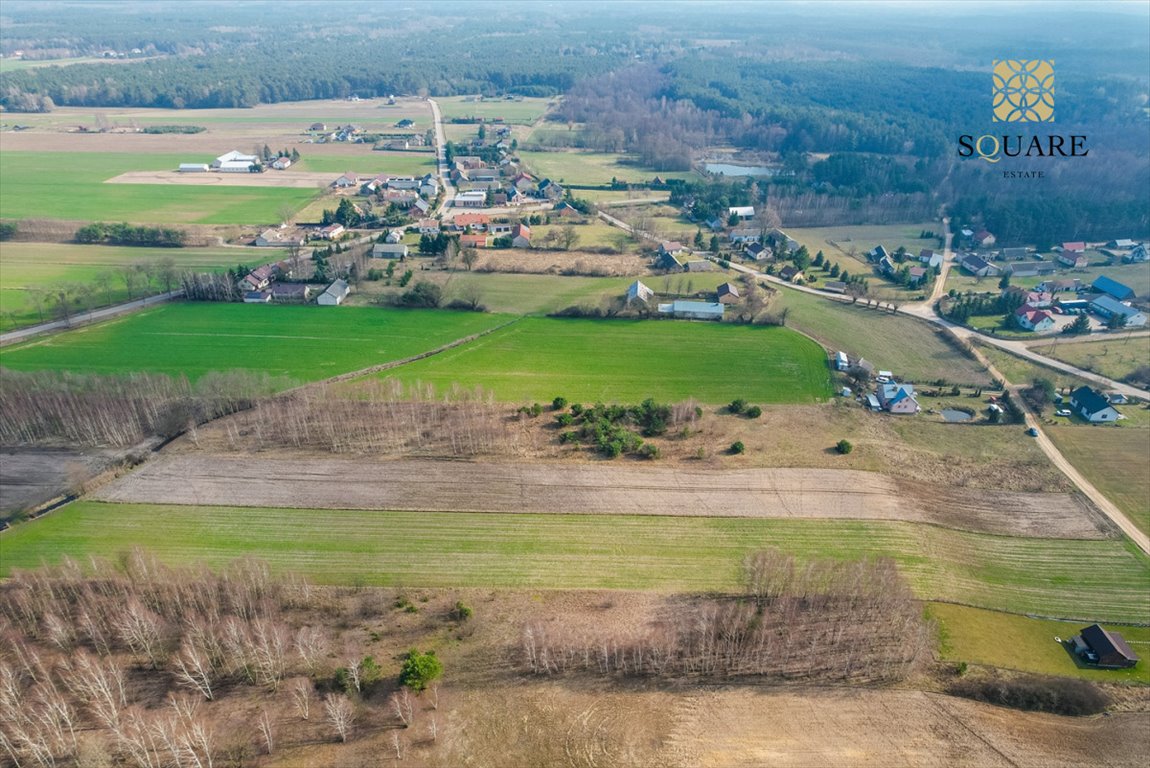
1024, 91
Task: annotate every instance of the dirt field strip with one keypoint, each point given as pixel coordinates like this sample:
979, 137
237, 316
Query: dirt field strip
280, 179
452, 486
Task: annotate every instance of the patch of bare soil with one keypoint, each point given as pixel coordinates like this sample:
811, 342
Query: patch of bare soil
562, 262
268, 179
32, 476
592, 488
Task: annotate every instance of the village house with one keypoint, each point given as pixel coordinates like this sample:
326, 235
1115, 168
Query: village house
898, 398
930, 258
473, 241
550, 190
780, 239
727, 293
1075, 247
393, 236
915, 276
636, 291
521, 236
428, 227
835, 286
1059, 286
1073, 259
1125, 243
472, 198
1014, 254
744, 235
335, 294
693, 310
345, 181
389, 251
1107, 307
475, 222
1112, 287
332, 231
756, 251
790, 274
566, 210
978, 266
1104, 648
983, 239
281, 163
1033, 319
1093, 406
877, 254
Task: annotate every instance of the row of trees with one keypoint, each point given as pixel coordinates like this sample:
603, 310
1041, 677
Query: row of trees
49, 407
819, 620
128, 234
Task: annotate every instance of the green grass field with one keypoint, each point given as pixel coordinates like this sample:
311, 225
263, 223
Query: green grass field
302, 342
522, 111
1113, 458
48, 185
592, 168
630, 360
48, 265
596, 233
906, 346
1116, 358
979, 636
523, 294
1097, 580
395, 163
1021, 371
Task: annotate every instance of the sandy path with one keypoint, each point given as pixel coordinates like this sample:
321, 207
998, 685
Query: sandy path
334, 483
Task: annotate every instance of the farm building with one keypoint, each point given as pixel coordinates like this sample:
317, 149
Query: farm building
281, 163
289, 292
930, 258
1104, 648
476, 221
744, 212
842, 362
332, 231
472, 198
335, 294
257, 297
1092, 405
349, 179
1137, 255
473, 241
1030, 269
1014, 254
835, 286
983, 238
1108, 307
278, 238
915, 275
1073, 259
236, 166
693, 310
1059, 286
1075, 247
745, 235
978, 266
234, 157
193, 167
728, 293
1110, 286
394, 236
790, 274
877, 254
636, 291
389, 251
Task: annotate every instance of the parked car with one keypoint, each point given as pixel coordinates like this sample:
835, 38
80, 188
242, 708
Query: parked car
1033, 431
1063, 412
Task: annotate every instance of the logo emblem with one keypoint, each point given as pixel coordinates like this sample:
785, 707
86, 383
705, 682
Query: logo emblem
1024, 91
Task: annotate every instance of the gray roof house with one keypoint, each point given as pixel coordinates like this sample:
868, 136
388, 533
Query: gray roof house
335, 294
636, 291
693, 310
1092, 405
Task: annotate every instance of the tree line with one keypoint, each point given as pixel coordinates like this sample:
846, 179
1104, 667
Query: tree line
129, 234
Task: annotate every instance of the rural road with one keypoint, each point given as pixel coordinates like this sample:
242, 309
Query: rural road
441, 169
84, 318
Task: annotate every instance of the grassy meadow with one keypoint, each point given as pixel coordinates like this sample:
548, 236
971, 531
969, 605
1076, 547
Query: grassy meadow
305, 343
520, 111
1009, 641
48, 185
538, 359
592, 168
28, 266
1096, 580
1137, 276
1116, 357
909, 347
395, 163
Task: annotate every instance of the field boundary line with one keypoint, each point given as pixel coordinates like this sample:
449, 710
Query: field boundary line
87, 318
349, 376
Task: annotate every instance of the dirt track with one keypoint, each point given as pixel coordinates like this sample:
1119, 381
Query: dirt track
599, 488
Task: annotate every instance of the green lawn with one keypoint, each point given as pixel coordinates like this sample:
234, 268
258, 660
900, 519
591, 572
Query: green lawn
630, 360
592, 168
522, 111
595, 233
395, 163
524, 294
910, 348
1099, 580
1021, 371
302, 342
25, 266
71, 186
1137, 276
979, 636
1116, 358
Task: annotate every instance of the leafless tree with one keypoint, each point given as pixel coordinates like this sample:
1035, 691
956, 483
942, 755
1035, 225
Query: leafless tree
301, 696
142, 631
340, 713
99, 684
568, 237
397, 743
403, 707
311, 646
469, 256
194, 669
266, 731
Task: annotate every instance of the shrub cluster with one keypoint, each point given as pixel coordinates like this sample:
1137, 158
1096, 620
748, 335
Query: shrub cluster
126, 234
1033, 693
611, 429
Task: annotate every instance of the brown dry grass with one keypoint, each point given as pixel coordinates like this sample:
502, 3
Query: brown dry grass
558, 262
275, 179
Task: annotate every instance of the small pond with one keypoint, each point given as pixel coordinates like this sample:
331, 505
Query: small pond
950, 414
740, 170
